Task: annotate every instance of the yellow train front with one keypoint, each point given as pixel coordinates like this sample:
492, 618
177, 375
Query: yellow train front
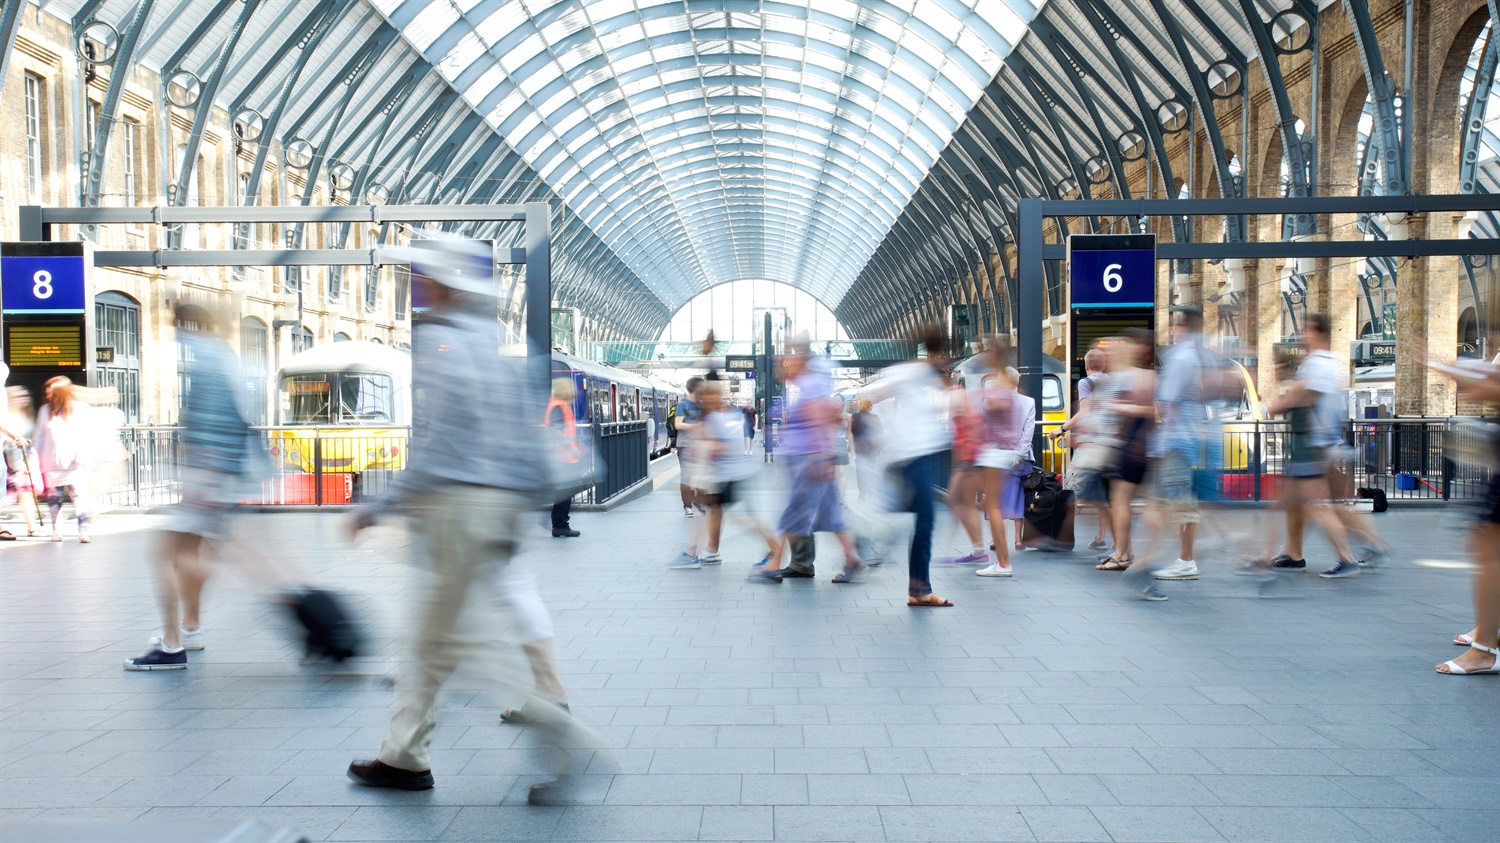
344, 416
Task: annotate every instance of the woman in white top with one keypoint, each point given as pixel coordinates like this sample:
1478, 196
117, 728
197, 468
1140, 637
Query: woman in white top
65, 444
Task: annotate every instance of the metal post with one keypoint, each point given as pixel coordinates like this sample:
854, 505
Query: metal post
318, 467
539, 297
32, 228
1032, 290
1254, 466
767, 384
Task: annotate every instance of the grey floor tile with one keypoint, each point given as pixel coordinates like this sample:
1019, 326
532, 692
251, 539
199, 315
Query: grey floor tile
737, 823
857, 789
955, 823
1098, 760
976, 789
315, 823
1155, 789
1393, 825
1083, 789
488, 822
736, 761
674, 790
828, 824
783, 789
1064, 824
384, 822
622, 822
1285, 825
1132, 824
821, 760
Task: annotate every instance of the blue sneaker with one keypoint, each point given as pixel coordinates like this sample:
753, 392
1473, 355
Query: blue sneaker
1341, 570
159, 658
762, 575
1369, 557
684, 562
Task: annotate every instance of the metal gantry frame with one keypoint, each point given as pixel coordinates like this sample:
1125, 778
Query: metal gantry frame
36, 224
1032, 250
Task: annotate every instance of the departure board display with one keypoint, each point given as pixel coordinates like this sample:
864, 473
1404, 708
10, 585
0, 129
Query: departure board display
45, 346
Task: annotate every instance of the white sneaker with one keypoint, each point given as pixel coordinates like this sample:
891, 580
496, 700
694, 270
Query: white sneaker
192, 639
1179, 570
711, 558
994, 570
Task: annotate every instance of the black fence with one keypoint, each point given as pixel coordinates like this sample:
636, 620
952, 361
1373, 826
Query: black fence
325, 466
623, 449
1411, 459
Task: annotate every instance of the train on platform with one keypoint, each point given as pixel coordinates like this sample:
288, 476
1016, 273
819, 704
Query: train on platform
346, 408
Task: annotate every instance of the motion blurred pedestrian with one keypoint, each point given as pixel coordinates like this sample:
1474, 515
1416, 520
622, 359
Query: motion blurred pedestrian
221, 465
807, 448
966, 479
998, 457
726, 471
1091, 448
692, 461
1129, 410
1314, 404
1023, 432
686, 421
70, 438
480, 463
562, 419
1478, 381
23, 472
916, 434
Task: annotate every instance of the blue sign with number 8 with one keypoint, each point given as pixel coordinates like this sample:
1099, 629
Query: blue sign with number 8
42, 284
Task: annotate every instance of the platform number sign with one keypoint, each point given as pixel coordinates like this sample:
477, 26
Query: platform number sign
42, 283
1112, 270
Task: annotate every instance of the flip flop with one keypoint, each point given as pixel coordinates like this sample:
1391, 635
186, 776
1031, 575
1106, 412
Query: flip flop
7, 536
930, 600
1114, 565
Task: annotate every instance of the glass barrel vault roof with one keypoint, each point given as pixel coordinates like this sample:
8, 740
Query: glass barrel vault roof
706, 142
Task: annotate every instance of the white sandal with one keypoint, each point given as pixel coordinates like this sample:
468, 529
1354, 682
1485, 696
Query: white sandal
1463, 640
1455, 670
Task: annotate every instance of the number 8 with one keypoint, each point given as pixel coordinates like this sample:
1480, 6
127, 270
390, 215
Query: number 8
1112, 280
41, 286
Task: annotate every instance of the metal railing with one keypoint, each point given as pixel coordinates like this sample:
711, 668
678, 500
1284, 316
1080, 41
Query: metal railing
1409, 459
326, 466
622, 448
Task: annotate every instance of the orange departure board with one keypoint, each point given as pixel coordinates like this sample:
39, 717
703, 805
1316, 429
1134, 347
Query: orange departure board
45, 346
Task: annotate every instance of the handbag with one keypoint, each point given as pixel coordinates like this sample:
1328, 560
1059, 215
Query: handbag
992, 457
1093, 457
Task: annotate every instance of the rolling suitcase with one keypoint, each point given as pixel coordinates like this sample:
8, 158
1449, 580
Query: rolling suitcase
329, 630
1048, 524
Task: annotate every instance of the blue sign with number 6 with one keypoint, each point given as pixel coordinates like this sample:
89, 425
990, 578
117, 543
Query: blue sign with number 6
42, 284
1112, 271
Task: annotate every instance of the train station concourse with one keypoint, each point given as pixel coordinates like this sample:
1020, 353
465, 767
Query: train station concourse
517, 420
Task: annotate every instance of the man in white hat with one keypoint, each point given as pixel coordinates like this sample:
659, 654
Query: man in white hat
479, 463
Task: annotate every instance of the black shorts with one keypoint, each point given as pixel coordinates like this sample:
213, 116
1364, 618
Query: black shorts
729, 493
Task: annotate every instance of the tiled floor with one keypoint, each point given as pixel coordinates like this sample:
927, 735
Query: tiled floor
1051, 707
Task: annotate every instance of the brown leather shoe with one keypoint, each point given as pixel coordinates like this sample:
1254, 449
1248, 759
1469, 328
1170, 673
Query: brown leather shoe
380, 774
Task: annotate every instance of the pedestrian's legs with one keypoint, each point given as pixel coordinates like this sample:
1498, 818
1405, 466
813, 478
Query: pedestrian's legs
921, 476
1296, 521
561, 513
1121, 492
169, 585
1484, 548
54, 507
79, 492
434, 656
993, 481
715, 524
962, 492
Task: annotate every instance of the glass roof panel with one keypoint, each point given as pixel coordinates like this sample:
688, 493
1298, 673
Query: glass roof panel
679, 102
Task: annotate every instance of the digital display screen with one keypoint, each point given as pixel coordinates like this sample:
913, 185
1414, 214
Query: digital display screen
45, 346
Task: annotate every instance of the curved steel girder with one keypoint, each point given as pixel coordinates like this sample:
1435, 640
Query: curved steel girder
1382, 92
314, 29
196, 38
1063, 146
1474, 115
1286, 121
1230, 187
177, 191
1096, 12
98, 152
962, 192
320, 19
1073, 70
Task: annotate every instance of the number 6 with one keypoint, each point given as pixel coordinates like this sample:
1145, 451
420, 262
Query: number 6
1112, 279
41, 284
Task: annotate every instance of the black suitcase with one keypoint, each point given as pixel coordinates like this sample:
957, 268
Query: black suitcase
329, 630
1048, 524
